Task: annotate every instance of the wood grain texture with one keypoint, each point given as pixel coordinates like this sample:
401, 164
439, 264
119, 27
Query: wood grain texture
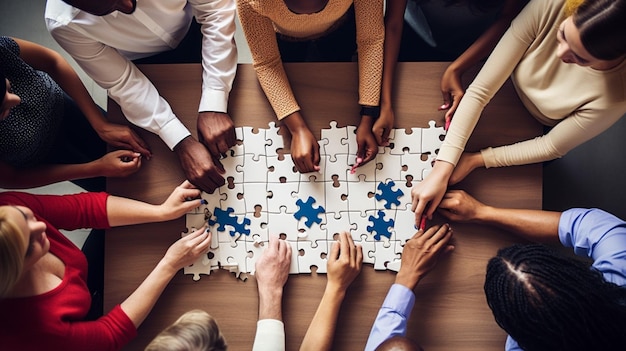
450, 313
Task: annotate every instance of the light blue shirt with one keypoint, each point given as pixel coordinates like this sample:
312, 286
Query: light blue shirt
392, 317
596, 234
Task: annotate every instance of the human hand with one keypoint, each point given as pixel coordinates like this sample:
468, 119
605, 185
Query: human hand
459, 206
427, 194
183, 199
305, 151
199, 166
452, 92
272, 268
367, 145
123, 137
186, 250
216, 131
468, 162
421, 252
118, 163
383, 126
344, 263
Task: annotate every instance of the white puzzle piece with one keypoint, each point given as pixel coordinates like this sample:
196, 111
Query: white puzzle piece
264, 196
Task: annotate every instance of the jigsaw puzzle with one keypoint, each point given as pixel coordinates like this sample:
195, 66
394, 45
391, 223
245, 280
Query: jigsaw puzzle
264, 195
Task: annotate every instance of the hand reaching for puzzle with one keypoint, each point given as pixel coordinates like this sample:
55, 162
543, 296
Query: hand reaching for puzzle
305, 151
183, 199
272, 271
199, 166
421, 252
468, 162
186, 250
367, 145
459, 206
344, 263
216, 131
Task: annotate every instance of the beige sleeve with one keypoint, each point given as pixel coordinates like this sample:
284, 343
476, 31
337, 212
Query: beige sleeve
370, 36
261, 39
569, 133
499, 66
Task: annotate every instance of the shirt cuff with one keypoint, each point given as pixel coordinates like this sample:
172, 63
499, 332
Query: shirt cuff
213, 101
400, 299
173, 132
489, 157
270, 335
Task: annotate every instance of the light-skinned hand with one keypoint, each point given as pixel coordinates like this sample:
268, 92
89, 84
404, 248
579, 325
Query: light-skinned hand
344, 263
272, 268
183, 199
188, 249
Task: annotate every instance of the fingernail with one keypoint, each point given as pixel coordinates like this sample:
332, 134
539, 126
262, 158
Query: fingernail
443, 106
204, 202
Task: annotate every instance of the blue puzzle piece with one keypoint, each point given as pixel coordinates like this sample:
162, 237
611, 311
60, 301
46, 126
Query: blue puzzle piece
380, 226
388, 194
306, 209
224, 218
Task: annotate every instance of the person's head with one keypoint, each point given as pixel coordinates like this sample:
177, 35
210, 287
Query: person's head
195, 330
22, 243
399, 343
594, 34
548, 301
104, 7
7, 99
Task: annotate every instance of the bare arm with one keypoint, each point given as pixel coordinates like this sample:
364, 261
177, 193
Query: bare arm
344, 265
51, 62
394, 22
182, 253
451, 87
533, 225
118, 163
123, 211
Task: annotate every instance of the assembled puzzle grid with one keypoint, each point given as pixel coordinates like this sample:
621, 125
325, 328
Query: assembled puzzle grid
264, 195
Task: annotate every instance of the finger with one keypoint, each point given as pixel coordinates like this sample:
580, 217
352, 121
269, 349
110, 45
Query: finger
334, 252
359, 255
139, 145
222, 146
190, 194
213, 148
316, 157
452, 109
447, 97
370, 154
418, 207
385, 137
379, 135
230, 138
186, 184
344, 246
352, 247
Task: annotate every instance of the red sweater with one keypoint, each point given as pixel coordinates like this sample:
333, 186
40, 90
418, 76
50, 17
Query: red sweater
54, 320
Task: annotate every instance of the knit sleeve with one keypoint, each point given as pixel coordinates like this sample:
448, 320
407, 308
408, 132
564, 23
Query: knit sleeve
370, 36
261, 38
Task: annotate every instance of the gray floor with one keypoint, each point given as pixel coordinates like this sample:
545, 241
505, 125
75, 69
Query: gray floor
589, 176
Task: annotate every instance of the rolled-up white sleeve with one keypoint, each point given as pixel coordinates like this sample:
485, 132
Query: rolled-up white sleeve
270, 335
125, 83
219, 53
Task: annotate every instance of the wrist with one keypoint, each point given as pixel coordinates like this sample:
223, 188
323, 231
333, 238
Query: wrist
295, 123
409, 281
371, 111
335, 290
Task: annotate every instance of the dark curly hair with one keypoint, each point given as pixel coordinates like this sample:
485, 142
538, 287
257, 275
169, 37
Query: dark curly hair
548, 301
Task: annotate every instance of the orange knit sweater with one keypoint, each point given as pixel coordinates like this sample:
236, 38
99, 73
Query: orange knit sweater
261, 19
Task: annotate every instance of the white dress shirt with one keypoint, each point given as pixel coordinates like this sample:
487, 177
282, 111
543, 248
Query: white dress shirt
104, 45
270, 335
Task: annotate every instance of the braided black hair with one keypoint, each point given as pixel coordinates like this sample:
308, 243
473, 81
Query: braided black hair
548, 301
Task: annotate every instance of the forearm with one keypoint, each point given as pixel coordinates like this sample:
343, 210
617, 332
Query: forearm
370, 35
321, 331
533, 225
270, 304
139, 304
394, 22
48, 174
123, 211
481, 48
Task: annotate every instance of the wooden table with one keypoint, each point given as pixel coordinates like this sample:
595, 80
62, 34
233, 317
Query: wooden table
450, 313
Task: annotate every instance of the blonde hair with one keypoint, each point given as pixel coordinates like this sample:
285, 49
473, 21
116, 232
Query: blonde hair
12, 248
571, 6
195, 330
